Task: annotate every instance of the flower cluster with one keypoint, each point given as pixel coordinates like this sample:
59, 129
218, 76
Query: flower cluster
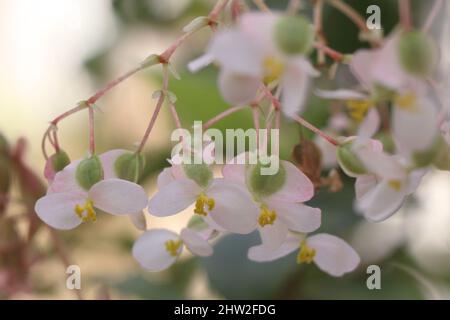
391, 133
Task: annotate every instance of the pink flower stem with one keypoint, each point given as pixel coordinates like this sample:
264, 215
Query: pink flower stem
218, 8
255, 113
333, 54
318, 19
404, 8
432, 15
351, 13
91, 130
221, 116
158, 107
175, 116
316, 130
261, 5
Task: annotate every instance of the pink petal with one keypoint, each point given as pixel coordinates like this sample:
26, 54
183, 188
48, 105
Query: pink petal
108, 159
165, 177
234, 208
297, 187
273, 235
370, 124
364, 184
195, 243
361, 66
263, 254
118, 197
138, 220
341, 94
174, 198
58, 210
333, 255
238, 89
65, 182
150, 249
298, 217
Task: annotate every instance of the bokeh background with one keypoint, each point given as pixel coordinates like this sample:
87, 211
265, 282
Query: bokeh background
54, 53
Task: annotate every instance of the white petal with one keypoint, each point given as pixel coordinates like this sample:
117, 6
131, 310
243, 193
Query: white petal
195, 243
58, 210
333, 255
415, 130
273, 235
165, 177
108, 160
200, 63
138, 220
370, 124
341, 94
382, 201
150, 249
298, 217
364, 184
235, 169
116, 196
173, 198
295, 85
238, 89
236, 53
234, 208
382, 164
263, 254
297, 187
65, 182
361, 66
258, 26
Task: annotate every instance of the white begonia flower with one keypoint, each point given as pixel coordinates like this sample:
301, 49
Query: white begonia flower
279, 203
223, 204
248, 55
67, 204
330, 253
158, 249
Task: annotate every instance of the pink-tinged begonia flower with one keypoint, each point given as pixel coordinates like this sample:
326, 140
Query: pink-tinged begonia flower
158, 249
248, 56
223, 204
282, 210
67, 204
330, 253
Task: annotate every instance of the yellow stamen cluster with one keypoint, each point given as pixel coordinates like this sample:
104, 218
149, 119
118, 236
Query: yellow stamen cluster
203, 201
266, 216
273, 69
306, 254
172, 247
406, 101
88, 207
357, 109
395, 184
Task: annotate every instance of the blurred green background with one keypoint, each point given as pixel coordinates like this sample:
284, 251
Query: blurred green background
58, 52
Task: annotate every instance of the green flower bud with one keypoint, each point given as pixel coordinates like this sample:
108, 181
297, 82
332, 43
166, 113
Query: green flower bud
348, 160
89, 172
130, 166
417, 53
200, 173
265, 185
60, 160
294, 34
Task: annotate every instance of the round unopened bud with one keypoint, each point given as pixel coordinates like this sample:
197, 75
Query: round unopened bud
89, 172
130, 166
349, 161
294, 35
264, 185
200, 173
417, 53
60, 160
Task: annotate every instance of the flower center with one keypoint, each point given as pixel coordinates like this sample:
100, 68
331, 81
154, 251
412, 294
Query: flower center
172, 247
273, 69
266, 216
357, 109
86, 212
203, 201
406, 101
306, 253
395, 184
